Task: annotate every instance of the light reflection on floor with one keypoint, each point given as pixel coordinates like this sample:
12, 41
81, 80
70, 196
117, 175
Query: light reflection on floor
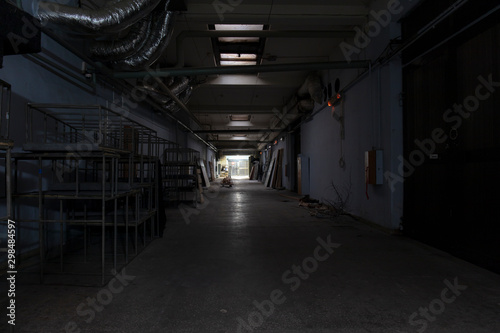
240, 177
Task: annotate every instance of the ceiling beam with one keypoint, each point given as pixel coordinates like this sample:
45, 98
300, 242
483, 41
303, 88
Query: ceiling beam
246, 142
232, 109
308, 66
239, 131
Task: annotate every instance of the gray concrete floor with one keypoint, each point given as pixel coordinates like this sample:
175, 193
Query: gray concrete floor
221, 269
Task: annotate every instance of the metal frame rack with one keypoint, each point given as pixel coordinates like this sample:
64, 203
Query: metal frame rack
5, 151
101, 168
179, 174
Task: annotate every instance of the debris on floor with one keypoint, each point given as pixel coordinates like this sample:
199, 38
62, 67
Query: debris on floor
307, 199
227, 182
318, 209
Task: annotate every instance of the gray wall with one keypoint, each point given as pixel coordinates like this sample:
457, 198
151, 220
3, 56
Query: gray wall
373, 120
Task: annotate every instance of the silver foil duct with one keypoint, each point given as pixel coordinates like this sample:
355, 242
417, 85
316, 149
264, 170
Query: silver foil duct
184, 96
179, 85
156, 42
113, 17
179, 88
109, 50
313, 88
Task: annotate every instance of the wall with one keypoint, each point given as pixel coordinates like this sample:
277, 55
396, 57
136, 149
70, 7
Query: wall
372, 120
450, 200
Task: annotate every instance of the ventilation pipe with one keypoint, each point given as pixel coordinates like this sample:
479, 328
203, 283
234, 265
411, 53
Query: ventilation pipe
118, 49
305, 105
312, 88
177, 87
184, 96
156, 41
113, 17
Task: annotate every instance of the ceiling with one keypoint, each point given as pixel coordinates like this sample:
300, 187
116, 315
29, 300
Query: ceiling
299, 32
260, 95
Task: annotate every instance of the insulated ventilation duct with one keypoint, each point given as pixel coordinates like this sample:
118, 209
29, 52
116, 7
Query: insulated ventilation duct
114, 16
157, 39
148, 25
184, 96
181, 87
312, 88
124, 47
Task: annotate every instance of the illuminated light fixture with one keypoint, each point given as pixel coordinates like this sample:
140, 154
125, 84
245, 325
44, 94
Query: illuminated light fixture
235, 59
228, 50
237, 63
233, 56
239, 27
275, 142
243, 27
240, 117
334, 101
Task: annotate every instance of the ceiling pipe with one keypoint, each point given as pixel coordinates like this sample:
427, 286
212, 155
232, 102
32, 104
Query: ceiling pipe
428, 27
112, 17
162, 22
259, 33
308, 66
177, 100
120, 48
108, 75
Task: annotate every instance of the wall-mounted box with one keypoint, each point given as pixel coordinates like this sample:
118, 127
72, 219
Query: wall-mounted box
303, 175
374, 167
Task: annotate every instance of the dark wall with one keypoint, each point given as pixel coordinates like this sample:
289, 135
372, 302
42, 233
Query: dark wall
450, 198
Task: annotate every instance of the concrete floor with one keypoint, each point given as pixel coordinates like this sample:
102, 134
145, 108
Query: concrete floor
250, 259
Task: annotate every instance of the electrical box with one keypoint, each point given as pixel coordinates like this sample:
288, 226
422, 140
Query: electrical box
303, 174
374, 167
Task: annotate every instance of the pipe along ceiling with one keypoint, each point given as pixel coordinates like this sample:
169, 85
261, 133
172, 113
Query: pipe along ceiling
149, 27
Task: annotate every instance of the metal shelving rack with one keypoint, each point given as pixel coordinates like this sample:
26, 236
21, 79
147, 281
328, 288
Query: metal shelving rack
179, 174
101, 168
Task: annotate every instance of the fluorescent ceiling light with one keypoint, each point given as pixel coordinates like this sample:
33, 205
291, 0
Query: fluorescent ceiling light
240, 117
237, 63
250, 27
239, 39
230, 45
236, 56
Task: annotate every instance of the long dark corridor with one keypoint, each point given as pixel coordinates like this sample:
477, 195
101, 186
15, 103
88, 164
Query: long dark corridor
250, 259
